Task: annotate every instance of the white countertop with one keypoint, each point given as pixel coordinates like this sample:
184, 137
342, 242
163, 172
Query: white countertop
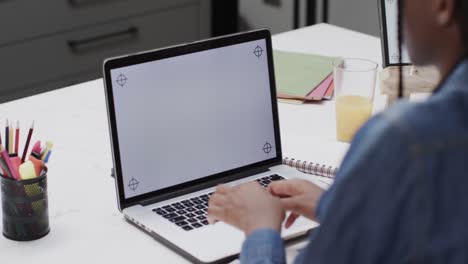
85, 223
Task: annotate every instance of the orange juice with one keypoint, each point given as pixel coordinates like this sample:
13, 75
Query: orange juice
351, 113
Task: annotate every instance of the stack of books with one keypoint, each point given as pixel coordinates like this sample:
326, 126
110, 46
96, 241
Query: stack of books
303, 77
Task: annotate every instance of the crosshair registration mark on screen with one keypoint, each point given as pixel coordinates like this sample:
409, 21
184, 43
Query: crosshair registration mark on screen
267, 148
121, 80
133, 184
258, 51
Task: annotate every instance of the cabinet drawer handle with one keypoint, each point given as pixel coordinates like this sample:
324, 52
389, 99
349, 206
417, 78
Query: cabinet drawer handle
81, 45
81, 3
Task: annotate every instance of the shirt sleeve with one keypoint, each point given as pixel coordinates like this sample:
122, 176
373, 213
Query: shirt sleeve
369, 211
263, 246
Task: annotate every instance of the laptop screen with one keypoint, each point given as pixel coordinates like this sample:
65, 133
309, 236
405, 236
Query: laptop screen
191, 116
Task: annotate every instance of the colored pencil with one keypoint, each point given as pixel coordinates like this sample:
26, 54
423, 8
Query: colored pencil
10, 139
7, 132
17, 137
6, 159
46, 160
5, 171
49, 145
28, 140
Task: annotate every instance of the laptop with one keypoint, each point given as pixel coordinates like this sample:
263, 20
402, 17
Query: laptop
185, 119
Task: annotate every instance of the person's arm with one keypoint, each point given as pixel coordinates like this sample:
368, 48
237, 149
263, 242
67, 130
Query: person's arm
339, 207
263, 246
369, 215
250, 208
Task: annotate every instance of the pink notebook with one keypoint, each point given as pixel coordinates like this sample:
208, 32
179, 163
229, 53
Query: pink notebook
319, 92
329, 94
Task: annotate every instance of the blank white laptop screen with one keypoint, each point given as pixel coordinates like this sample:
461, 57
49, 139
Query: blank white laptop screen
191, 116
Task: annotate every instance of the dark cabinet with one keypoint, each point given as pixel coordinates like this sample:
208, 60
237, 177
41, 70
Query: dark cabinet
49, 44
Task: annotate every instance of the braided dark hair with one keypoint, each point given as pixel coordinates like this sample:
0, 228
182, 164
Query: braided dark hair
461, 9
400, 47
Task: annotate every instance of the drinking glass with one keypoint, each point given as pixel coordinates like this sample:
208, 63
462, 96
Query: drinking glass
354, 87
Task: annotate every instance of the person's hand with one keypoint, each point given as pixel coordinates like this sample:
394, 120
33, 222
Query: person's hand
247, 207
298, 196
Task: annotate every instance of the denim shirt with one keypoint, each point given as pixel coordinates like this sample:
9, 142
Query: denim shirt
401, 194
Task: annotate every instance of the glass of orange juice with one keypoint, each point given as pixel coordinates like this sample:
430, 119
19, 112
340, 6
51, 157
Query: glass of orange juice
354, 85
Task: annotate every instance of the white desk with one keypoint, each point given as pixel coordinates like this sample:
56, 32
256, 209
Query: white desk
85, 223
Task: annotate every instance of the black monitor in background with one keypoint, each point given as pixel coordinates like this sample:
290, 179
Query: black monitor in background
388, 16
225, 14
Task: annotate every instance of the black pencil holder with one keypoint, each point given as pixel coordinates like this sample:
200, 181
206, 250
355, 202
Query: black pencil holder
25, 208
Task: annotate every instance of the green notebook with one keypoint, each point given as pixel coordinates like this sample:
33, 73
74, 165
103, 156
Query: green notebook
298, 74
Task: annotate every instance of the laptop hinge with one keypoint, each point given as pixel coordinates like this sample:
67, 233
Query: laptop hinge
202, 186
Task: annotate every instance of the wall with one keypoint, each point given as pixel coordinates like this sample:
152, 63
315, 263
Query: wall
359, 15
257, 14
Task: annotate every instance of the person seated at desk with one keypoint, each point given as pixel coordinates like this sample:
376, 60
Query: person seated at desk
400, 195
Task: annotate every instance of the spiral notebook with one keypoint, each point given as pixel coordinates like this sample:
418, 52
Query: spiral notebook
308, 167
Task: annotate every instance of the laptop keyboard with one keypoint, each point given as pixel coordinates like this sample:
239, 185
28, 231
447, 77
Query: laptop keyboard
191, 214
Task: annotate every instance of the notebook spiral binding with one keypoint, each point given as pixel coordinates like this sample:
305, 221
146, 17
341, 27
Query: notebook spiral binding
311, 167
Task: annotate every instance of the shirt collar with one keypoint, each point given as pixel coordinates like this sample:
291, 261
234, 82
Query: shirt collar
457, 79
